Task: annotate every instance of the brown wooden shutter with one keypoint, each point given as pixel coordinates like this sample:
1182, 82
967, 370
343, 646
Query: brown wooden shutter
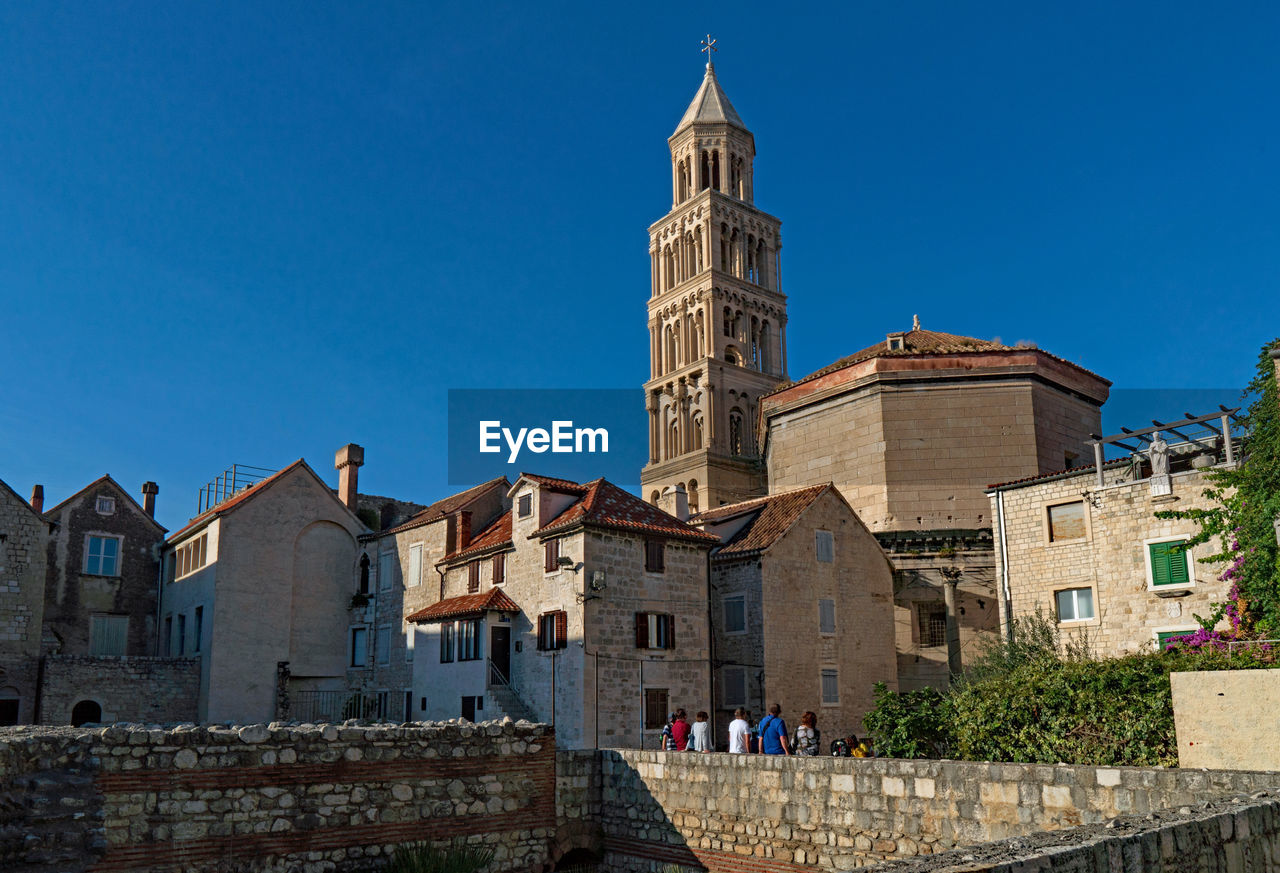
671, 630
542, 632
551, 555
473, 577
562, 629
499, 568
642, 630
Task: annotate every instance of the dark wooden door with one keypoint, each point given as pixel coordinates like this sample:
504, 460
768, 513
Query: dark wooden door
469, 708
500, 649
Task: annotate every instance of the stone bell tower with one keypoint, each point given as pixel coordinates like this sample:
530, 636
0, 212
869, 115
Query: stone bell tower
717, 314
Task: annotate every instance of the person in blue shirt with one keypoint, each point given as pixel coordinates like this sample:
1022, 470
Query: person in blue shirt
773, 733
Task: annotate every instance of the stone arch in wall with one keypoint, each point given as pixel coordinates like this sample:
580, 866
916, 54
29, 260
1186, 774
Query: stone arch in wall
86, 711
323, 553
10, 705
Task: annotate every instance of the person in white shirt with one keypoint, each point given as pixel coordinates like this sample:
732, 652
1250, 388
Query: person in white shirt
700, 739
738, 730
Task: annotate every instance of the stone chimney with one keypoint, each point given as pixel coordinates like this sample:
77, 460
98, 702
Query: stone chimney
348, 461
674, 500
464, 529
37, 499
149, 492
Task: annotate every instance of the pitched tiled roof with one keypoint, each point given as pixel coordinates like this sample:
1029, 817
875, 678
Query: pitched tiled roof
1061, 474
49, 513
557, 484
447, 506
604, 504
495, 535
927, 342
775, 515
238, 498
493, 600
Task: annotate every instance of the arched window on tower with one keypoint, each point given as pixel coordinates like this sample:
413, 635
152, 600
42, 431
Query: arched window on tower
715, 169
735, 257
669, 347
706, 172
728, 321
755, 343
697, 431
653, 498
673, 439
737, 326
700, 335
752, 275
724, 248
762, 263
766, 342
735, 431
693, 496
364, 574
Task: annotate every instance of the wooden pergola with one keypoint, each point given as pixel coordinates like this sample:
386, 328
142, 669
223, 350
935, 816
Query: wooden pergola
1211, 433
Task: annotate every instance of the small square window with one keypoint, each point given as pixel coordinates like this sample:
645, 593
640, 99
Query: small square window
382, 644
106, 505
1066, 522
553, 628
1075, 604
1169, 563
525, 504
932, 622
826, 546
735, 613
655, 556
359, 647
108, 634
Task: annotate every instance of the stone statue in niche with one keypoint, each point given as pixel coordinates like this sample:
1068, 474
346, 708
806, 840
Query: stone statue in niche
1161, 481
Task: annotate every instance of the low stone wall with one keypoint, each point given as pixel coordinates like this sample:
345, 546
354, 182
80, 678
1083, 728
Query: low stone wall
130, 689
272, 797
757, 813
1240, 835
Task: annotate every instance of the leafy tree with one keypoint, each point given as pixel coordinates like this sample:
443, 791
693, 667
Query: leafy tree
1242, 521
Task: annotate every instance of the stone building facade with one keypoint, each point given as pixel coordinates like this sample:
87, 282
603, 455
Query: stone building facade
395, 576
717, 314
23, 537
258, 588
802, 609
910, 430
1095, 558
581, 606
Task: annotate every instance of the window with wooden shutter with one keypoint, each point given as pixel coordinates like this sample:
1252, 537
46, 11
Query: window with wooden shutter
499, 568
655, 556
825, 546
473, 577
655, 708
553, 630
1168, 562
826, 616
655, 630
642, 630
551, 555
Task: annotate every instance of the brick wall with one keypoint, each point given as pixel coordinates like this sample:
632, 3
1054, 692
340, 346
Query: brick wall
272, 798
126, 688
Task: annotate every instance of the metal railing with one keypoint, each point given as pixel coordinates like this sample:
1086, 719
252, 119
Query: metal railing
497, 677
337, 706
230, 482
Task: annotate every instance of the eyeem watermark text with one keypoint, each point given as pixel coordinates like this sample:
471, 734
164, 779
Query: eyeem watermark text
563, 438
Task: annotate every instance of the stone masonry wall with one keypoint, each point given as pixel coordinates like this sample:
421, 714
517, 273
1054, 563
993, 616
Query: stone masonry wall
1109, 559
127, 689
22, 574
273, 797
756, 813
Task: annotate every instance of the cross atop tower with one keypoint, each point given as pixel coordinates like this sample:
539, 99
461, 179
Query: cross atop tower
708, 46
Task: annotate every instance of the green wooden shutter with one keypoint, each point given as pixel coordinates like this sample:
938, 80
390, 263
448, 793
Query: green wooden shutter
1169, 563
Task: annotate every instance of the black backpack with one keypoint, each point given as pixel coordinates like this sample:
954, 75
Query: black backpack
840, 748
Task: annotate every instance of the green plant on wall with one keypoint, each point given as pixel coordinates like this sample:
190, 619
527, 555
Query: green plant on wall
422, 857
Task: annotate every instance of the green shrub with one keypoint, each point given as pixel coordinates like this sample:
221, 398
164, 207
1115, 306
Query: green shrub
909, 724
424, 858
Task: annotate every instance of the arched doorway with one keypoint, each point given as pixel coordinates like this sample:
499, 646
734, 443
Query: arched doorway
85, 712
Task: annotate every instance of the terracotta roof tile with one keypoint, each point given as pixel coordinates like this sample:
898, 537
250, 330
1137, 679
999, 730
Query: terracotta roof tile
926, 342
775, 515
557, 484
446, 506
495, 535
1070, 471
604, 504
493, 600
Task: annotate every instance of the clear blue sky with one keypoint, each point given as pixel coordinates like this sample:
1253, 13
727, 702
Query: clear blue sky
250, 232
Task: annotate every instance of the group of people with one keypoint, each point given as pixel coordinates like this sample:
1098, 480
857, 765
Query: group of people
769, 737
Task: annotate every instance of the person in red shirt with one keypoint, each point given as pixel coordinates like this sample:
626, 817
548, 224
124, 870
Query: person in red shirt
680, 730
